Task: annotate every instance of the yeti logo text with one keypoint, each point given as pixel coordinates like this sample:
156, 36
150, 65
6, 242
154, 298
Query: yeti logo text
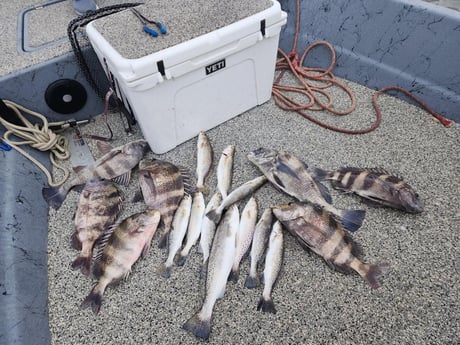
215, 67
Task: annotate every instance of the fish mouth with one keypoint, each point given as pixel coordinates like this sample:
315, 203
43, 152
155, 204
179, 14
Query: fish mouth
261, 154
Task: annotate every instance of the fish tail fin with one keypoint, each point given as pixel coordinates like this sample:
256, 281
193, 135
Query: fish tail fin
214, 215
54, 196
266, 305
164, 239
198, 326
82, 262
180, 259
165, 271
252, 282
94, 299
352, 219
234, 275
201, 188
374, 272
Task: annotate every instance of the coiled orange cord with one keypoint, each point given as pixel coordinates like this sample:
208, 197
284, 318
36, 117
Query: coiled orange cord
315, 81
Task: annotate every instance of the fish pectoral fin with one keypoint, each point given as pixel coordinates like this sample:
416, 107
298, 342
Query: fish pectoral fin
78, 168
104, 147
324, 191
123, 179
125, 277
286, 169
304, 245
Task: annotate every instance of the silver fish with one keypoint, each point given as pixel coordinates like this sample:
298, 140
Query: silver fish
115, 164
289, 174
99, 205
225, 170
163, 185
318, 230
273, 261
118, 250
204, 161
259, 243
220, 264
244, 236
376, 185
177, 234
236, 195
194, 227
208, 228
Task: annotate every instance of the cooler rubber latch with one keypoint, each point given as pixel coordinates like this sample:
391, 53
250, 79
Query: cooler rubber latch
262, 27
161, 67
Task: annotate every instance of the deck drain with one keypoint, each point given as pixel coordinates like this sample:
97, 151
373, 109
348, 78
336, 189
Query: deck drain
65, 96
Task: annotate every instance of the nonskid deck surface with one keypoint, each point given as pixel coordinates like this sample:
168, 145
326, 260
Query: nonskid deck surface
417, 295
314, 304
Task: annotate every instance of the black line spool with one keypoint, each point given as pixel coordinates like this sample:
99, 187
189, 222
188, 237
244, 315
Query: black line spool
65, 96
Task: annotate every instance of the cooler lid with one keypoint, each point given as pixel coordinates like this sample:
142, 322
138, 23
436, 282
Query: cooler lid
194, 27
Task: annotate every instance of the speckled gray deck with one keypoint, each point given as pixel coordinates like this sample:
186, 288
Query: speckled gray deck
203, 16
417, 304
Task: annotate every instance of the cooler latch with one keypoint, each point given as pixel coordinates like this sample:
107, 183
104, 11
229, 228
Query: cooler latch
161, 67
262, 27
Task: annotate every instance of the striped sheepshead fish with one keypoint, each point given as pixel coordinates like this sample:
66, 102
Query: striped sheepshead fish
98, 207
318, 231
118, 250
163, 185
291, 175
116, 164
376, 185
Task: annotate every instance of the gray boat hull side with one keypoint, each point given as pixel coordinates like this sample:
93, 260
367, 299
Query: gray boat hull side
23, 252
412, 44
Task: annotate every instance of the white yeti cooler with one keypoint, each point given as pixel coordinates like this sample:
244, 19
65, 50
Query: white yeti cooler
216, 61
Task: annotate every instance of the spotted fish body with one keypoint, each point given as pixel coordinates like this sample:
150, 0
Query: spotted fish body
118, 250
204, 161
194, 227
290, 175
236, 195
273, 261
318, 231
208, 229
115, 164
98, 207
177, 234
259, 244
376, 185
220, 264
244, 236
162, 185
225, 170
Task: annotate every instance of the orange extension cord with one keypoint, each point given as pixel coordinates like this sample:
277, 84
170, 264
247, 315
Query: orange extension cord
315, 81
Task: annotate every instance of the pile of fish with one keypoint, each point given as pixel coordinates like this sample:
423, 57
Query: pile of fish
109, 247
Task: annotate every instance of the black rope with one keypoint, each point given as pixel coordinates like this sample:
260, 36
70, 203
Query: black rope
72, 33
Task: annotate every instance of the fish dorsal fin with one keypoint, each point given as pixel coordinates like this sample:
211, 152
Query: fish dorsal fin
104, 147
352, 169
99, 247
186, 179
123, 179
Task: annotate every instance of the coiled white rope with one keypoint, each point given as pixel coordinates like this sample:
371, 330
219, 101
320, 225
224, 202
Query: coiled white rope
39, 137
